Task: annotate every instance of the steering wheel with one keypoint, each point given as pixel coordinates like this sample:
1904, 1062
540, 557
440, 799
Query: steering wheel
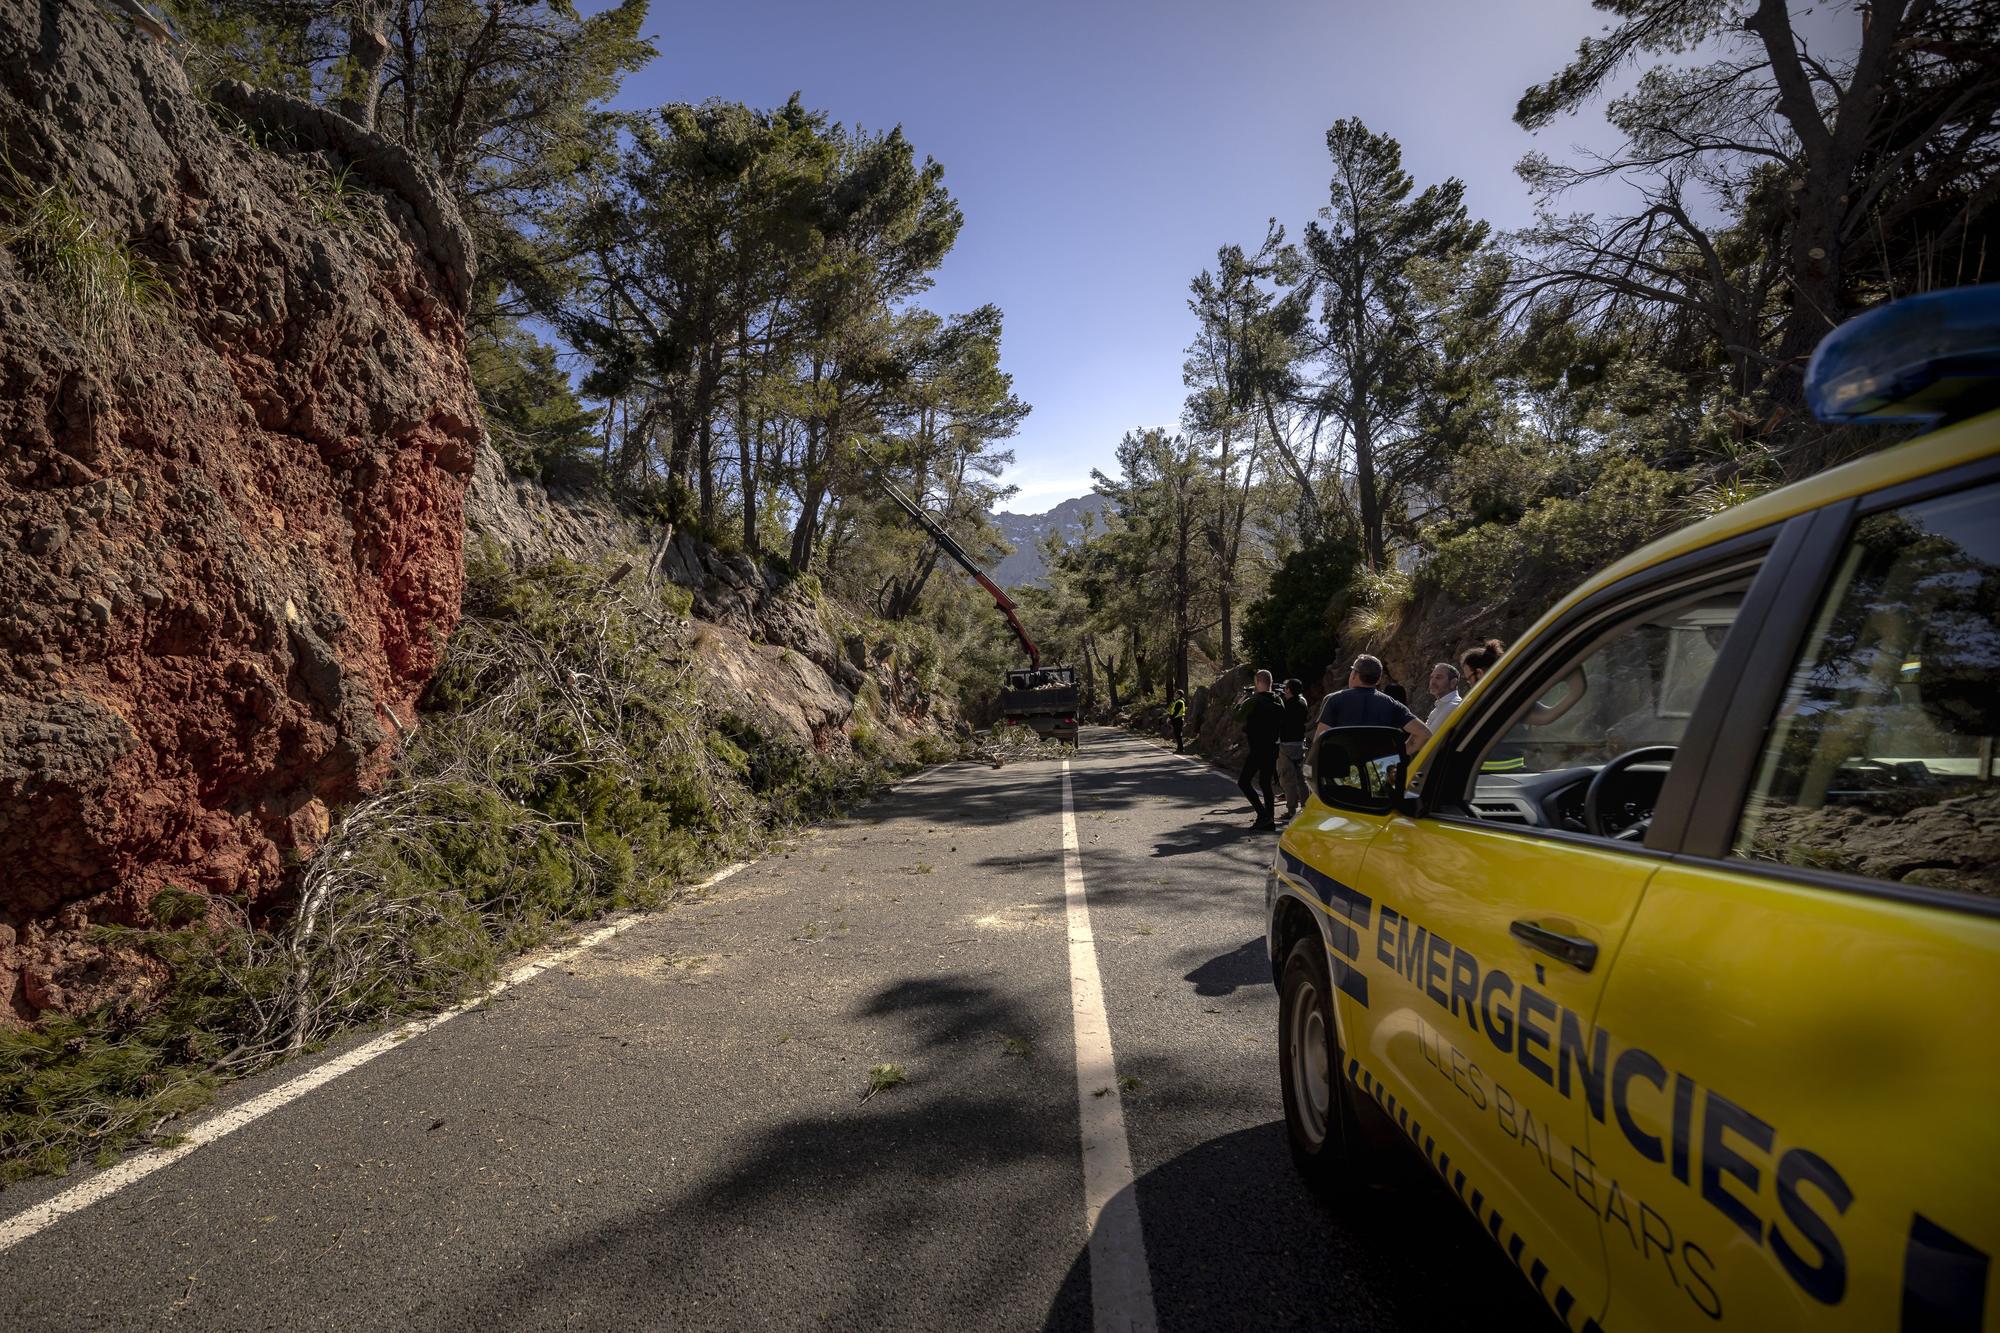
1593, 797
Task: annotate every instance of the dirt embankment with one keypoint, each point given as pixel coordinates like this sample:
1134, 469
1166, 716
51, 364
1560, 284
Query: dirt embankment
236, 428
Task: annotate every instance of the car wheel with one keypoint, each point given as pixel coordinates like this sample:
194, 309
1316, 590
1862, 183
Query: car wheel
1316, 1119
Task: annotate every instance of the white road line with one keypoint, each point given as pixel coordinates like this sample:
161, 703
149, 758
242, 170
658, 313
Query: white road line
924, 775
1121, 1287
109, 1181
1200, 764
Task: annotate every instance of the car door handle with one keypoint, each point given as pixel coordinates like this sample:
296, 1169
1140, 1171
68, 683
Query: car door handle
1578, 952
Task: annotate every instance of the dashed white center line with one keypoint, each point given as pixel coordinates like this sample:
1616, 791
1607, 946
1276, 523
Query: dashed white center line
1121, 1287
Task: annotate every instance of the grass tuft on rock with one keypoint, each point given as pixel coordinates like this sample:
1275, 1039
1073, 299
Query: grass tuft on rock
99, 289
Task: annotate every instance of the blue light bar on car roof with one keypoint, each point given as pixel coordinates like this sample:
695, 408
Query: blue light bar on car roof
1918, 359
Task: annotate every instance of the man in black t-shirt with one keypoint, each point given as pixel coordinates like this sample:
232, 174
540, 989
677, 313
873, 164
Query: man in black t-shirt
1362, 705
1263, 717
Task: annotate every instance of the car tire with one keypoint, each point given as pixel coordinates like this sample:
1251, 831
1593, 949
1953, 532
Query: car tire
1317, 1121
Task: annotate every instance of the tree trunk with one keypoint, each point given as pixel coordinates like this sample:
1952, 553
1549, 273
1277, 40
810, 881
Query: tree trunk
1820, 206
705, 468
367, 48
1291, 460
746, 453
805, 532
903, 600
1228, 634
1225, 546
1364, 482
681, 448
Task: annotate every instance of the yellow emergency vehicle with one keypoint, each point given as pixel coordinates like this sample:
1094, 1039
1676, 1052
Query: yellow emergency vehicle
1693, 999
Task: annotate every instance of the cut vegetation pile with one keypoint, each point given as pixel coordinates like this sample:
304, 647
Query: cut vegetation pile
568, 765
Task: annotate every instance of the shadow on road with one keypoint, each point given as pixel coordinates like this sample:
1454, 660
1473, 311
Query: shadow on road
1246, 965
868, 1207
1235, 1241
949, 1010
1209, 835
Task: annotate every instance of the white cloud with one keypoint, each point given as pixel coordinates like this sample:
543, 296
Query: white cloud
1043, 487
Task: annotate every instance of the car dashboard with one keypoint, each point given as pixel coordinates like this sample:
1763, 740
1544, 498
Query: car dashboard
1555, 799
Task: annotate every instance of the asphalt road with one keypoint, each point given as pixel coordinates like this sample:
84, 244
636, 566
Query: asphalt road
671, 1131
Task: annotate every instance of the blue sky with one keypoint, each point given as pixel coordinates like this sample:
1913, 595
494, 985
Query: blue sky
1102, 152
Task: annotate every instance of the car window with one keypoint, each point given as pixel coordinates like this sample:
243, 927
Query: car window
1880, 760
1636, 688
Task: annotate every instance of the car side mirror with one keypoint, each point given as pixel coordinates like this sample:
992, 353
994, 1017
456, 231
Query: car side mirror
1360, 768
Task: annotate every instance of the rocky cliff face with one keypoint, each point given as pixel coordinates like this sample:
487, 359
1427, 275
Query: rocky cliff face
230, 492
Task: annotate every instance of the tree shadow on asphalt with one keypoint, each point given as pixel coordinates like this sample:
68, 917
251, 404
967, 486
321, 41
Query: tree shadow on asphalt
952, 1010
1212, 835
953, 1199
1234, 1240
1248, 964
1228, 871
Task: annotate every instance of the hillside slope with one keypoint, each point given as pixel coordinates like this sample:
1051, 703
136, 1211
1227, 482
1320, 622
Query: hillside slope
767, 641
237, 431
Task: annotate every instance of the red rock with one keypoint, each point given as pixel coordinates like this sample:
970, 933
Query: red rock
230, 541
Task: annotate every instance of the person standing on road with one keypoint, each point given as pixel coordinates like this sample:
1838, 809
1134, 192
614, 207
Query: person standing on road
1177, 719
1362, 705
1444, 691
1292, 747
1262, 715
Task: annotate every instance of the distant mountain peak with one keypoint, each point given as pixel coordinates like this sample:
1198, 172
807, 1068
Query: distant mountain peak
1026, 532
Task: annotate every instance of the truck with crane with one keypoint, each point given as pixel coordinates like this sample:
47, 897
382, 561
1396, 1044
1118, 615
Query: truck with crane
1041, 698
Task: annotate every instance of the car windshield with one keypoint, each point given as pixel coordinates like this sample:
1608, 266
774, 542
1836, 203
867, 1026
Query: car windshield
1637, 688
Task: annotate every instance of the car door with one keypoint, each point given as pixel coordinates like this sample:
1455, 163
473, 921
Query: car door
1804, 1105
1496, 920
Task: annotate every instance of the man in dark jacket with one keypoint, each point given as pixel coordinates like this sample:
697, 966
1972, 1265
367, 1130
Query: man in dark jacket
1263, 717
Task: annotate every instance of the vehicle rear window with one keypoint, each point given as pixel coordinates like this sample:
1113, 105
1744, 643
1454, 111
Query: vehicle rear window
1880, 761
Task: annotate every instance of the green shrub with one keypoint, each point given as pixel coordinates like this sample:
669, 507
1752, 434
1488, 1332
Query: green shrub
1293, 627
1557, 542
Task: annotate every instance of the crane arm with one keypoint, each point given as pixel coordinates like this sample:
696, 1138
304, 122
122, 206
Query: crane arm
949, 545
